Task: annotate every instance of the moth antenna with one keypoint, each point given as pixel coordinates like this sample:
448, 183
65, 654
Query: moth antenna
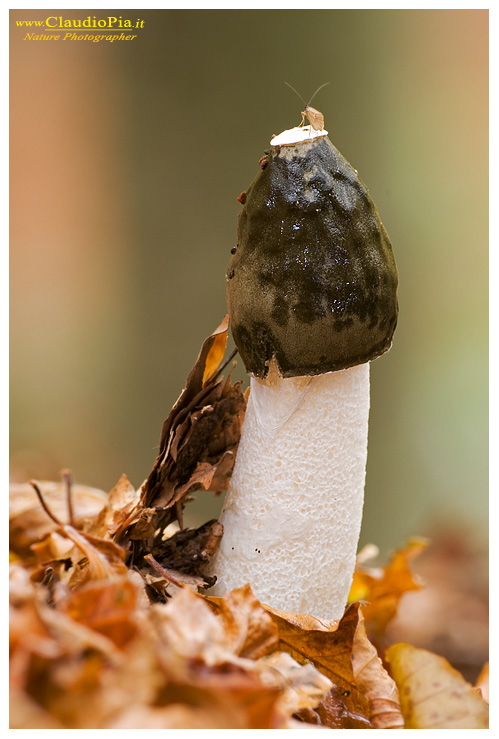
296, 91
315, 93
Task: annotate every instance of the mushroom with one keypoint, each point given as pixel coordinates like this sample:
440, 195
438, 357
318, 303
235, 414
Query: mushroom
312, 298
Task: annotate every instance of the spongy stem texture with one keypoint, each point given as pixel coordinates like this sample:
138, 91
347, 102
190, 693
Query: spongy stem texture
293, 510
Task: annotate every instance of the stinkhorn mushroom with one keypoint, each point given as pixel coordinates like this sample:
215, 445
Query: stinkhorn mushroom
312, 298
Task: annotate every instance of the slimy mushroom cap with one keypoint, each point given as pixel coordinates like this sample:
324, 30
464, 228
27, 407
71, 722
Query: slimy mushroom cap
313, 280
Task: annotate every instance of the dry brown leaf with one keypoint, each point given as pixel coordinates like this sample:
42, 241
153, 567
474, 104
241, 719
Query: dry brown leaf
166, 582
66, 636
59, 666
107, 607
482, 682
382, 588
216, 351
179, 716
304, 686
197, 451
329, 648
433, 695
188, 633
53, 547
28, 523
204, 424
120, 502
103, 560
248, 627
21, 588
50, 656
210, 652
374, 682
201, 477
450, 616
25, 713
177, 559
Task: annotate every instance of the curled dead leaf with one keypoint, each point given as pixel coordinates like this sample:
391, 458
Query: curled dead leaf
433, 695
228, 645
105, 606
382, 588
28, 523
304, 686
249, 628
200, 436
482, 682
328, 646
120, 502
375, 683
25, 713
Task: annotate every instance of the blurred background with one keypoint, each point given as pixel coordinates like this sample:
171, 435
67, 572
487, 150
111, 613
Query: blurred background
126, 161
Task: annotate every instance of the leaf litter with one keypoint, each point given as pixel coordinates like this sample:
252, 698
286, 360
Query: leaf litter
110, 626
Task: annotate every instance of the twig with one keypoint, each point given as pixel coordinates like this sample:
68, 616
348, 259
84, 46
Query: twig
223, 366
163, 571
68, 479
45, 507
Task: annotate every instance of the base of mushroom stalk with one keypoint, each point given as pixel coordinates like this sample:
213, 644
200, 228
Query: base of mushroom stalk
293, 511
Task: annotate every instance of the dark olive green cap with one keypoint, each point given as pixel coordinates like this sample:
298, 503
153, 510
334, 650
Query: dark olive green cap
313, 280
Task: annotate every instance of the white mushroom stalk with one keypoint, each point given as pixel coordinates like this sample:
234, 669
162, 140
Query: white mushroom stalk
293, 511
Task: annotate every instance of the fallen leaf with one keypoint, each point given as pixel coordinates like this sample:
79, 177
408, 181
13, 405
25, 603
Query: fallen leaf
52, 547
375, 683
328, 646
482, 682
433, 695
383, 588
180, 716
304, 686
211, 653
450, 616
25, 713
249, 629
120, 502
106, 607
28, 523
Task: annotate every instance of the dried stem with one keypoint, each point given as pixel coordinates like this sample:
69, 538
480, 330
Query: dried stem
68, 479
223, 366
45, 507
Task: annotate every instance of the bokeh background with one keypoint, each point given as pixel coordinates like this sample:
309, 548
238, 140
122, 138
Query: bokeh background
126, 161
